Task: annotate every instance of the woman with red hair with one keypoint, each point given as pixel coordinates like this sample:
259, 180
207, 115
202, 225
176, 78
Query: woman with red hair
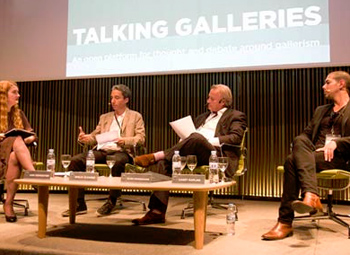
14, 154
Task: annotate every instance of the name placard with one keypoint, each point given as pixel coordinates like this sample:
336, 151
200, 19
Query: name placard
83, 176
144, 177
37, 175
189, 178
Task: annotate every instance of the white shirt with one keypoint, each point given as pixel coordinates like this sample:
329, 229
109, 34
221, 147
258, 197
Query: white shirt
209, 127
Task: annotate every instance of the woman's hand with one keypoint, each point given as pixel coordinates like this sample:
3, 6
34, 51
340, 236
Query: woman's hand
29, 139
2, 136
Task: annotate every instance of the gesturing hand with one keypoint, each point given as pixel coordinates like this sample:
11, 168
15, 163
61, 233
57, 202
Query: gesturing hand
82, 137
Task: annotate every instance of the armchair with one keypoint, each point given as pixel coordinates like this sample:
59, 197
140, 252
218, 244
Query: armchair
329, 181
240, 172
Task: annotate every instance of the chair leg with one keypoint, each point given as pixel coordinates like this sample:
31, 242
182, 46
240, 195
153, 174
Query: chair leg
25, 206
335, 218
211, 202
188, 209
121, 200
330, 214
16, 202
219, 205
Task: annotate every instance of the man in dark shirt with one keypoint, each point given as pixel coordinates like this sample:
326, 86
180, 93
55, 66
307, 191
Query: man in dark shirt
324, 144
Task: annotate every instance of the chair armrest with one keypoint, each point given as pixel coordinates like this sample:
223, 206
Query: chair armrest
138, 149
334, 174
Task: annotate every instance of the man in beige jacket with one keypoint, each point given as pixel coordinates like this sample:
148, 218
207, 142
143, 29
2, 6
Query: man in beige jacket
130, 130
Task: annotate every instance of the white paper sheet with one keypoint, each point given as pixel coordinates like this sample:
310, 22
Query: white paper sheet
107, 137
183, 127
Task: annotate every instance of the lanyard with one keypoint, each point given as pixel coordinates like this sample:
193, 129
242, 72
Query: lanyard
116, 119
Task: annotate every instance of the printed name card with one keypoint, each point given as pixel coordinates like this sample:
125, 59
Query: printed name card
135, 177
189, 178
144, 177
83, 176
37, 174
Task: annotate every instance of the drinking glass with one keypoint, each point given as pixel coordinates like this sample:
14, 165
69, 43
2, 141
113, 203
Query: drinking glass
110, 160
223, 163
191, 162
183, 162
65, 159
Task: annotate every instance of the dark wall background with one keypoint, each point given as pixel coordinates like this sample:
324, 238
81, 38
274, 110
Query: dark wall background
278, 104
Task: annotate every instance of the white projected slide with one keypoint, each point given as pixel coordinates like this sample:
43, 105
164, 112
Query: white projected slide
137, 36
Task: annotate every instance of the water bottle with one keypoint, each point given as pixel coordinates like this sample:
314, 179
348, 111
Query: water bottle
213, 168
90, 162
176, 163
230, 219
51, 162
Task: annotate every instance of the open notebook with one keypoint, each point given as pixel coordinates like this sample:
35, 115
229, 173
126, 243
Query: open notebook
19, 132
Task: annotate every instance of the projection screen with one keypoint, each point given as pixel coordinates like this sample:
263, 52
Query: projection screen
50, 39
137, 36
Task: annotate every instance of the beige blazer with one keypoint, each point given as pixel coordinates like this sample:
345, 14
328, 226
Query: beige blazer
133, 128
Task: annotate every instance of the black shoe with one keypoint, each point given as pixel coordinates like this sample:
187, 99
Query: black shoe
106, 209
11, 218
81, 209
150, 218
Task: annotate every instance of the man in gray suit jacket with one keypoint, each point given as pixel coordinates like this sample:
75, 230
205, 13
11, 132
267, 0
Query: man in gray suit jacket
130, 128
324, 144
221, 125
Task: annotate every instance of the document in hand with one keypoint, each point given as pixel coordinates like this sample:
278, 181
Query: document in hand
19, 132
106, 137
183, 127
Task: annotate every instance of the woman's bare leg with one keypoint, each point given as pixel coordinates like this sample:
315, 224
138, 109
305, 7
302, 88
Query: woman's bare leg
23, 154
19, 158
13, 172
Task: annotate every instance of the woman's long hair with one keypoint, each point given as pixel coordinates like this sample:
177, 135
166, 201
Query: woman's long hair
17, 120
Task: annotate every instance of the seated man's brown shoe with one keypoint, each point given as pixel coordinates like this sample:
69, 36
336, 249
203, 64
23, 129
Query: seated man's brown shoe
310, 204
144, 160
279, 231
150, 218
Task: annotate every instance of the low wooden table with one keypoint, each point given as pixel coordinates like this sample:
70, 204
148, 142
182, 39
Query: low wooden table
200, 197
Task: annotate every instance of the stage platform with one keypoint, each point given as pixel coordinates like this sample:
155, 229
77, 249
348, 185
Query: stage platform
115, 234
